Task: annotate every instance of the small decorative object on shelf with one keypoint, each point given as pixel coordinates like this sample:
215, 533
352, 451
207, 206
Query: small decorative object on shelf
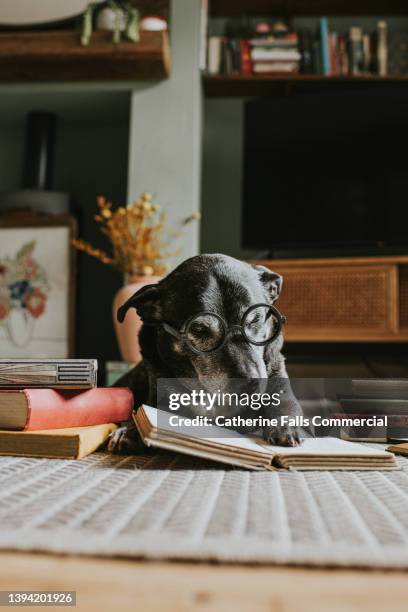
138, 251
116, 15
152, 23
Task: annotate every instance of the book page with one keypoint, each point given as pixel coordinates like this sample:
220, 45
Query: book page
219, 435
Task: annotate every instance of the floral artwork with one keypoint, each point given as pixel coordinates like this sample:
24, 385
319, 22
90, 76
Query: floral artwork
34, 292
23, 286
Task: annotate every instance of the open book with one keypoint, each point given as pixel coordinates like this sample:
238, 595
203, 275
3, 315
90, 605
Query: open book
227, 446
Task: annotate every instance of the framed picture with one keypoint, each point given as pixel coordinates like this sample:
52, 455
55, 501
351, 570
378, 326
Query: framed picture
37, 286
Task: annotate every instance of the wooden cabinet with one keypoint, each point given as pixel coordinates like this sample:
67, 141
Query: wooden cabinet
344, 300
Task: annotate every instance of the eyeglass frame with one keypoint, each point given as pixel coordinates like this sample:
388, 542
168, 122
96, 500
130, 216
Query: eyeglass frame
182, 333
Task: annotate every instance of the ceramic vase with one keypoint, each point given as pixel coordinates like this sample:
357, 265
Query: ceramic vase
127, 332
20, 325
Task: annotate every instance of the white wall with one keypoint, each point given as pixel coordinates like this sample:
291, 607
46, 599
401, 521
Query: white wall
165, 130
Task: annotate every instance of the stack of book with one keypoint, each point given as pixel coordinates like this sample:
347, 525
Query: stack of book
275, 54
52, 408
384, 399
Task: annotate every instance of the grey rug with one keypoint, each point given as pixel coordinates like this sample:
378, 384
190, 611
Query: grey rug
174, 507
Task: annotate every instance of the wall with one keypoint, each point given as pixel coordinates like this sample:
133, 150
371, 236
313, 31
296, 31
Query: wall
165, 131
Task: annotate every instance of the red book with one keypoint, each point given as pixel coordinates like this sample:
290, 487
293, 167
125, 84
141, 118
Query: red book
246, 63
36, 409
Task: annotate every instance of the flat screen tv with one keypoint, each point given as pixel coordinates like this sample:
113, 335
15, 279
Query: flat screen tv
327, 171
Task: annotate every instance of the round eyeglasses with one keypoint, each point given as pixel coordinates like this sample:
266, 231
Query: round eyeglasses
207, 332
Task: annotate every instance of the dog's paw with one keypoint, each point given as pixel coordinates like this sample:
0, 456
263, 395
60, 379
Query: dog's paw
282, 436
125, 441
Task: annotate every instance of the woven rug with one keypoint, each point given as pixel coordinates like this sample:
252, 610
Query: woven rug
174, 507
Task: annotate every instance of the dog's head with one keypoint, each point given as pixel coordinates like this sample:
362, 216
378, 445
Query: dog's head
206, 283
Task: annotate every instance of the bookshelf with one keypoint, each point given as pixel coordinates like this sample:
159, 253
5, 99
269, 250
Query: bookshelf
59, 56
258, 85
239, 86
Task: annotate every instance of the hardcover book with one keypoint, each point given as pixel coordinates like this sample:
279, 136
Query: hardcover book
55, 373
33, 409
73, 443
227, 446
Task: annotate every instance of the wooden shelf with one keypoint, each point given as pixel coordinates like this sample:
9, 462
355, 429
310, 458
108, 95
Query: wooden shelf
238, 8
264, 85
59, 56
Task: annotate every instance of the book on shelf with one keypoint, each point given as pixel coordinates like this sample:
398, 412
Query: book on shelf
230, 447
70, 443
397, 60
53, 373
324, 45
260, 54
275, 67
35, 409
382, 48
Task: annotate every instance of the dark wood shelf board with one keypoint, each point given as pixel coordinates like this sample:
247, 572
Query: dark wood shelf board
59, 56
238, 8
264, 85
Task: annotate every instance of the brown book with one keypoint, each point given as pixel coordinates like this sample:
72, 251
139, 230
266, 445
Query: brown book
70, 443
227, 446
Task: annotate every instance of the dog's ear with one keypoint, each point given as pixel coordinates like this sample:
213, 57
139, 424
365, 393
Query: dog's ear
272, 281
146, 301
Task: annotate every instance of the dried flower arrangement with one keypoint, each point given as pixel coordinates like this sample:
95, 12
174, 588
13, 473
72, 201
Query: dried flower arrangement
135, 233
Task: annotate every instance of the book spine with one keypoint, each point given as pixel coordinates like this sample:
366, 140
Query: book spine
214, 54
366, 53
246, 64
236, 56
334, 55
344, 67
324, 42
64, 374
356, 51
316, 56
382, 50
50, 409
228, 59
306, 50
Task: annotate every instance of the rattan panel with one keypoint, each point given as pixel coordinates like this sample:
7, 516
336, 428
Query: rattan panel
359, 298
403, 295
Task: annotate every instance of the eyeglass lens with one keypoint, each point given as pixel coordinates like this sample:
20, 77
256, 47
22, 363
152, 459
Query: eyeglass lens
260, 324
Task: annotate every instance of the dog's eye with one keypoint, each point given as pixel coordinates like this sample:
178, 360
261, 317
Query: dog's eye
253, 320
199, 329
205, 333
259, 324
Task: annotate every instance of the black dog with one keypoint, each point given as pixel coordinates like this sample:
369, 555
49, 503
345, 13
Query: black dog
212, 283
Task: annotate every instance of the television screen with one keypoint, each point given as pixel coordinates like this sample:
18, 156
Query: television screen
327, 170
